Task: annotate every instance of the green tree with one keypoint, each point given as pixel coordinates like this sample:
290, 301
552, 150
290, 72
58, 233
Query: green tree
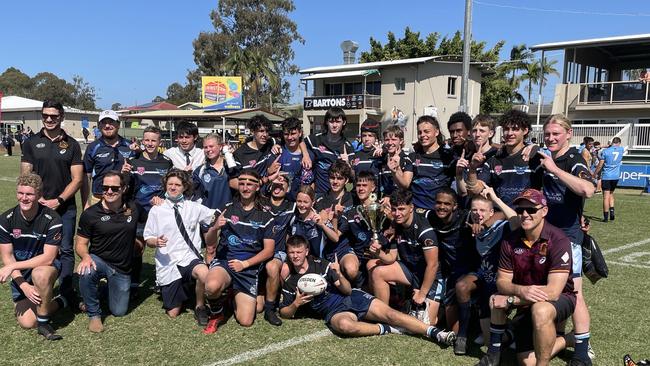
15, 82
83, 94
520, 57
190, 92
158, 99
50, 86
496, 94
534, 74
258, 27
116, 106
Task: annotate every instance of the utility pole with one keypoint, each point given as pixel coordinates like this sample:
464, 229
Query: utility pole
467, 41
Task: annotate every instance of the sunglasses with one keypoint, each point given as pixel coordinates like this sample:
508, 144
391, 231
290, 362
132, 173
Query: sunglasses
528, 210
111, 188
54, 117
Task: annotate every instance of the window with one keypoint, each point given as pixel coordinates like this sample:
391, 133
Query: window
400, 85
333, 89
373, 87
352, 88
451, 86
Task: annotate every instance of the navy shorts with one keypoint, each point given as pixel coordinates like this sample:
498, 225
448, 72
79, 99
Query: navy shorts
244, 281
523, 321
358, 303
609, 185
16, 293
175, 294
437, 289
341, 251
485, 291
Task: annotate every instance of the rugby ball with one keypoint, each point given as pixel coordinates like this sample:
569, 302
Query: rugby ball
312, 284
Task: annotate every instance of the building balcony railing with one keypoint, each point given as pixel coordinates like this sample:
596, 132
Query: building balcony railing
353, 101
614, 92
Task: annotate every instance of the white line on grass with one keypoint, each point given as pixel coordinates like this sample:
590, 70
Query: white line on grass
250, 355
247, 356
626, 246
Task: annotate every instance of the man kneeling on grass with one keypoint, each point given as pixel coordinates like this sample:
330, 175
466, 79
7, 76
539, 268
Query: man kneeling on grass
30, 236
533, 277
346, 311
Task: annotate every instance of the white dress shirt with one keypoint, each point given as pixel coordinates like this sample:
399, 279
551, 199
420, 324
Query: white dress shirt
161, 221
178, 158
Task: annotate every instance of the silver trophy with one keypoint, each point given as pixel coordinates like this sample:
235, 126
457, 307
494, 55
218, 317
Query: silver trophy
373, 215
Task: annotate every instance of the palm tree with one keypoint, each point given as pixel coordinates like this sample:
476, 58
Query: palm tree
520, 57
264, 73
534, 74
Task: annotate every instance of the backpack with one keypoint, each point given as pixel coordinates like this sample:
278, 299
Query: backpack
593, 261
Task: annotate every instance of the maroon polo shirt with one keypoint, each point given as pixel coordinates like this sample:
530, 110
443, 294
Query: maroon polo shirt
531, 265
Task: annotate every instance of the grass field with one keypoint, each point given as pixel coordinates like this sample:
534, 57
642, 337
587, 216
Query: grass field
146, 336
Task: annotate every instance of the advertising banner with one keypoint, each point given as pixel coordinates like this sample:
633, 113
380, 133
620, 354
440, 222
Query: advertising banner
633, 175
221, 92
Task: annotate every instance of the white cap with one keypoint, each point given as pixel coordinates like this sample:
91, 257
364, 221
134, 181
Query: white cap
110, 115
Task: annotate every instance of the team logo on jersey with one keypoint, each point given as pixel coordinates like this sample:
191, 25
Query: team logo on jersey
129, 219
57, 236
125, 154
421, 211
276, 229
62, 151
356, 161
584, 175
234, 219
16, 233
63, 145
498, 169
520, 170
140, 170
312, 233
362, 236
233, 240
519, 251
256, 224
565, 257
40, 146
543, 248
357, 219
542, 260
105, 218
252, 162
428, 243
104, 155
322, 148
416, 162
207, 178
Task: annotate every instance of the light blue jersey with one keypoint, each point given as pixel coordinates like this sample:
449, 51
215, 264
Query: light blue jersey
613, 156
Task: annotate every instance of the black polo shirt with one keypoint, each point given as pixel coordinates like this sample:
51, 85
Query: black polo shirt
52, 162
111, 234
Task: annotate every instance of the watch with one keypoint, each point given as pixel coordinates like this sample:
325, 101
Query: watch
61, 200
510, 301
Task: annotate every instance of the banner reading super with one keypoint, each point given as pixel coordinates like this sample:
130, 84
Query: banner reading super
221, 92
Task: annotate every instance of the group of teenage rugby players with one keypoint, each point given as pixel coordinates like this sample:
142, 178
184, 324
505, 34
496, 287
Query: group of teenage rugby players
469, 224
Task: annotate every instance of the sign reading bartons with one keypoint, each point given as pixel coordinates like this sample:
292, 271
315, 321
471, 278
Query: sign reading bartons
342, 101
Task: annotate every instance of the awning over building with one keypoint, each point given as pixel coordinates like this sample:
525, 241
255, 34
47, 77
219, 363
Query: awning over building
199, 114
341, 74
594, 42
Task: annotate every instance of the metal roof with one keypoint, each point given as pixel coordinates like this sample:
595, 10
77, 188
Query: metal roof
364, 66
200, 114
341, 74
11, 103
608, 41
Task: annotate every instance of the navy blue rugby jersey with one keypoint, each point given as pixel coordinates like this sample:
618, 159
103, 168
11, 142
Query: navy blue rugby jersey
101, 158
488, 245
325, 153
28, 238
411, 243
282, 216
387, 184
431, 172
146, 178
356, 233
564, 206
211, 185
510, 175
458, 254
364, 160
248, 158
243, 235
324, 303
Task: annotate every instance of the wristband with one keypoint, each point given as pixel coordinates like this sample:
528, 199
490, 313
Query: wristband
61, 200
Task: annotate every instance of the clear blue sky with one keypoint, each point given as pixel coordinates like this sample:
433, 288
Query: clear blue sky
130, 51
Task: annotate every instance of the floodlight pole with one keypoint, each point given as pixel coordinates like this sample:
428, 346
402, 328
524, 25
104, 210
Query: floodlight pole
467, 41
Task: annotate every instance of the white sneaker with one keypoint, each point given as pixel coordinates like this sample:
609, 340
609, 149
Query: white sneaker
447, 338
591, 353
397, 330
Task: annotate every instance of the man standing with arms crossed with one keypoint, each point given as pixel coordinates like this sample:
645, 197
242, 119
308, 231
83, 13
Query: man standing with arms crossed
56, 158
